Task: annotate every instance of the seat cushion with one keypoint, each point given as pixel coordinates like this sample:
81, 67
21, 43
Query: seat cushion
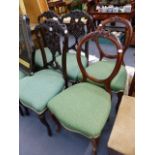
21, 74
38, 56
102, 69
72, 65
35, 91
83, 108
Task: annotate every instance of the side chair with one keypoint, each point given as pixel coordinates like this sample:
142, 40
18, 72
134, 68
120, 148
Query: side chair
84, 108
37, 88
107, 60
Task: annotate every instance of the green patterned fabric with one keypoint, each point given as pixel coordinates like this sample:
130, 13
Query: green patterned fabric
35, 91
72, 65
83, 108
21, 74
103, 69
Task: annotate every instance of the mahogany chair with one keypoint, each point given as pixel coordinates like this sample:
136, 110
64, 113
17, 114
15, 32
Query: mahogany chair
85, 107
37, 88
107, 60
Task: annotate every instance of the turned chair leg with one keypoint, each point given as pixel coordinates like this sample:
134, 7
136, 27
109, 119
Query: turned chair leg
57, 123
45, 123
119, 95
95, 143
21, 111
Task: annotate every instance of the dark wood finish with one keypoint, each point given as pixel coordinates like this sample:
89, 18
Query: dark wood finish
132, 87
45, 123
76, 29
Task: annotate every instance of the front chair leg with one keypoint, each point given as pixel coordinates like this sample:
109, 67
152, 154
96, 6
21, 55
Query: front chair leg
45, 123
119, 95
95, 143
57, 123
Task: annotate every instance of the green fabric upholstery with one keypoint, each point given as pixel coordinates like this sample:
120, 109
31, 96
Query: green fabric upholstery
102, 69
38, 56
72, 65
35, 91
21, 74
83, 108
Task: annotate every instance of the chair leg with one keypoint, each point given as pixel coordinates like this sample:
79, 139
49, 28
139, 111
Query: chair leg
45, 123
119, 95
95, 143
59, 127
21, 111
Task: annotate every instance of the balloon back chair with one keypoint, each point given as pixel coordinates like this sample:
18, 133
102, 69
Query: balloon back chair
37, 89
78, 24
85, 107
107, 59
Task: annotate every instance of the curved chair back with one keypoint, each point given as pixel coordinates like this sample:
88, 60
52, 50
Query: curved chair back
26, 46
48, 15
127, 26
78, 24
93, 36
51, 30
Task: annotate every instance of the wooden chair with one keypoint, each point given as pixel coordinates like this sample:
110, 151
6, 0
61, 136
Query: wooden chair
85, 107
119, 82
78, 23
37, 88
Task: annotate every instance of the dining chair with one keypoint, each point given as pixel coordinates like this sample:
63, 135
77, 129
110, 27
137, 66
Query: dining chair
107, 60
85, 107
37, 88
78, 23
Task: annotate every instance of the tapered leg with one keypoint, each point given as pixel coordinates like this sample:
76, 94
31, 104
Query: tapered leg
45, 123
120, 94
95, 143
21, 111
57, 123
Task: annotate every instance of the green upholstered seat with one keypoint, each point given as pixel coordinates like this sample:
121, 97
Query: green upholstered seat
72, 65
35, 91
83, 108
38, 56
21, 74
102, 69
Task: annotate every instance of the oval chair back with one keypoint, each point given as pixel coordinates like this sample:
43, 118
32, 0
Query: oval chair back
93, 36
128, 30
26, 46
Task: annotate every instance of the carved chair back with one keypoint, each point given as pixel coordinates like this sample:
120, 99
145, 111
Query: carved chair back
52, 31
127, 33
26, 46
93, 37
78, 24
48, 15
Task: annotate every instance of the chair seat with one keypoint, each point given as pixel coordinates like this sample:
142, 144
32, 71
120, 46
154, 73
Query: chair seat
21, 74
38, 56
72, 65
102, 69
35, 91
83, 108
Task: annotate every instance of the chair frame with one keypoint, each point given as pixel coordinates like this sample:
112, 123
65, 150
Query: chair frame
128, 38
107, 81
29, 50
76, 29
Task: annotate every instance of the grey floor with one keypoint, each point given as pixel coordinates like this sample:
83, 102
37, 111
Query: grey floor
35, 141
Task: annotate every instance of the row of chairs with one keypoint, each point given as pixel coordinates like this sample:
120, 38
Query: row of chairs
59, 78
